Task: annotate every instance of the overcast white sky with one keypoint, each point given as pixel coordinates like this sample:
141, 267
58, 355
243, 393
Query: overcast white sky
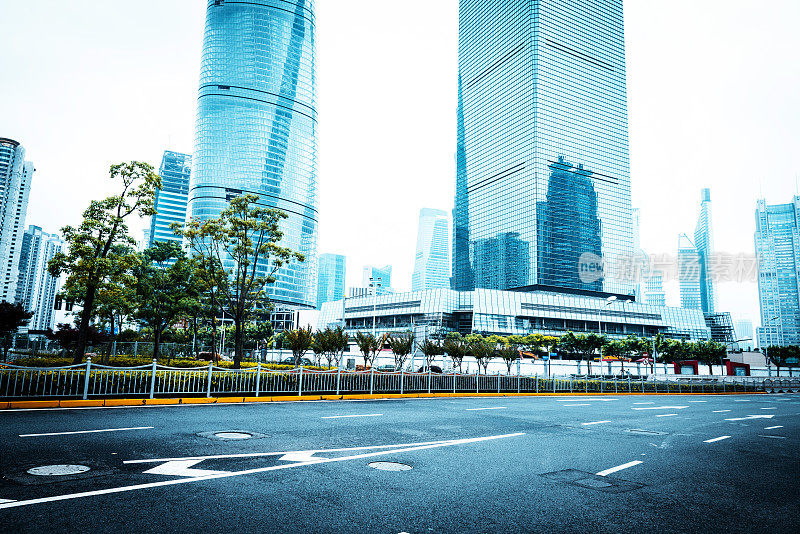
713, 91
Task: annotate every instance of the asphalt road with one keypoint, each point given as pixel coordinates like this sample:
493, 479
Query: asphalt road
645, 463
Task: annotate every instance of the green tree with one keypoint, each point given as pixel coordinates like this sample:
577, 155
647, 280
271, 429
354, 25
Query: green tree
483, 349
401, 346
369, 345
12, 317
250, 237
164, 293
93, 257
299, 341
455, 346
321, 345
509, 350
339, 343
588, 344
431, 349
710, 353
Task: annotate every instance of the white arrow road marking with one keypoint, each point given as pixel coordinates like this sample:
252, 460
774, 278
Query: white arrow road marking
661, 408
121, 489
182, 468
618, 468
301, 456
751, 417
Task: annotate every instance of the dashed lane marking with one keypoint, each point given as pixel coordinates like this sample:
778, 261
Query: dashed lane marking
773, 437
121, 489
770, 408
618, 468
491, 408
595, 423
354, 415
712, 440
666, 415
2, 501
719, 411
770, 416
696, 401
661, 408
576, 405
773, 427
644, 402
85, 431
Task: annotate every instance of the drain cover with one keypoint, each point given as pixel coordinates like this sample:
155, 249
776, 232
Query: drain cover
390, 466
233, 435
58, 470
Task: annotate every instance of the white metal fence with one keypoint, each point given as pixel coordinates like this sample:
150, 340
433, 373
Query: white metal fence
98, 381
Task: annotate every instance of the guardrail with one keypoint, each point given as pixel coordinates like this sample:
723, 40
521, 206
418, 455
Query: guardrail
98, 381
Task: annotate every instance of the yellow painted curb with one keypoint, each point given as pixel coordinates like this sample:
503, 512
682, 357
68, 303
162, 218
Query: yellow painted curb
33, 404
198, 400
79, 403
3, 405
162, 401
124, 402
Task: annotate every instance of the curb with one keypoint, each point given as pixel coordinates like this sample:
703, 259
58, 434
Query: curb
97, 403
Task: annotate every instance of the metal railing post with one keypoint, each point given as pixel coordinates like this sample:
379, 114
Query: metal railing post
477, 384
135, 349
300, 383
258, 378
114, 349
86, 378
208, 381
338, 377
429, 379
371, 380
519, 378
402, 381
723, 384
629, 383
153, 380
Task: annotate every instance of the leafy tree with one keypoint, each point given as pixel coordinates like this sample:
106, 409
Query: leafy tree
67, 336
164, 293
482, 349
587, 345
93, 257
299, 341
249, 236
509, 350
321, 345
568, 343
455, 346
12, 317
431, 349
710, 353
339, 343
369, 345
401, 346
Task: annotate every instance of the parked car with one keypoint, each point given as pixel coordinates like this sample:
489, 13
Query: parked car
434, 369
305, 362
386, 368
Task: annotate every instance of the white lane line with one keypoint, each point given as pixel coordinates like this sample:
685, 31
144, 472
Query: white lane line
719, 411
712, 440
121, 489
6, 500
356, 415
773, 427
85, 431
644, 402
584, 399
595, 423
618, 468
750, 417
576, 405
696, 401
772, 408
666, 415
661, 408
774, 437
742, 400
492, 408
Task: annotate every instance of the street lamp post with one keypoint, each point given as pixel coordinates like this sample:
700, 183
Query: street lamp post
374, 284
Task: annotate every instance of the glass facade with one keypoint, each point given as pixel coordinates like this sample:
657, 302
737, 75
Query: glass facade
432, 259
777, 242
36, 288
330, 284
542, 170
171, 200
498, 312
256, 128
695, 262
382, 278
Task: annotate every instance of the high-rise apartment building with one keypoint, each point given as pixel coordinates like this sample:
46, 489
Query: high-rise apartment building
432, 259
256, 129
15, 187
171, 199
378, 280
777, 241
542, 170
696, 280
36, 288
332, 270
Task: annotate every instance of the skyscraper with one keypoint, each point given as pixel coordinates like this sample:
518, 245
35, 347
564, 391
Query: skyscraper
695, 278
542, 145
432, 259
379, 275
744, 333
330, 284
15, 187
777, 241
256, 128
36, 288
172, 198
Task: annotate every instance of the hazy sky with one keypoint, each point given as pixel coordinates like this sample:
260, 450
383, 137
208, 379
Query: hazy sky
713, 92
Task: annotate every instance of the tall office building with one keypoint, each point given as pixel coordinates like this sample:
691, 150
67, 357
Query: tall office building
36, 288
695, 279
170, 202
256, 128
381, 277
777, 241
332, 269
744, 333
432, 259
15, 187
649, 283
542, 170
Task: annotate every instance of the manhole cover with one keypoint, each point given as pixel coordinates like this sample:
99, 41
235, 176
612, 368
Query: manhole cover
593, 483
58, 470
232, 435
646, 432
390, 466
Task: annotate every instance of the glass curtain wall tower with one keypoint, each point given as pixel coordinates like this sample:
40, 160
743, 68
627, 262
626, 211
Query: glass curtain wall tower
432, 259
15, 188
171, 199
256, 128
542, 170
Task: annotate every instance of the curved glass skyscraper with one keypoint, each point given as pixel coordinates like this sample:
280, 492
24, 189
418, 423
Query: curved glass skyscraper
256, 126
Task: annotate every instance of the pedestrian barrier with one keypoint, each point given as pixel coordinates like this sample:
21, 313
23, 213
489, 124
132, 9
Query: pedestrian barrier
98, 381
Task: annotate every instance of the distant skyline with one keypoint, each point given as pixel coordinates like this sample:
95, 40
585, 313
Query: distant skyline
99, 82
